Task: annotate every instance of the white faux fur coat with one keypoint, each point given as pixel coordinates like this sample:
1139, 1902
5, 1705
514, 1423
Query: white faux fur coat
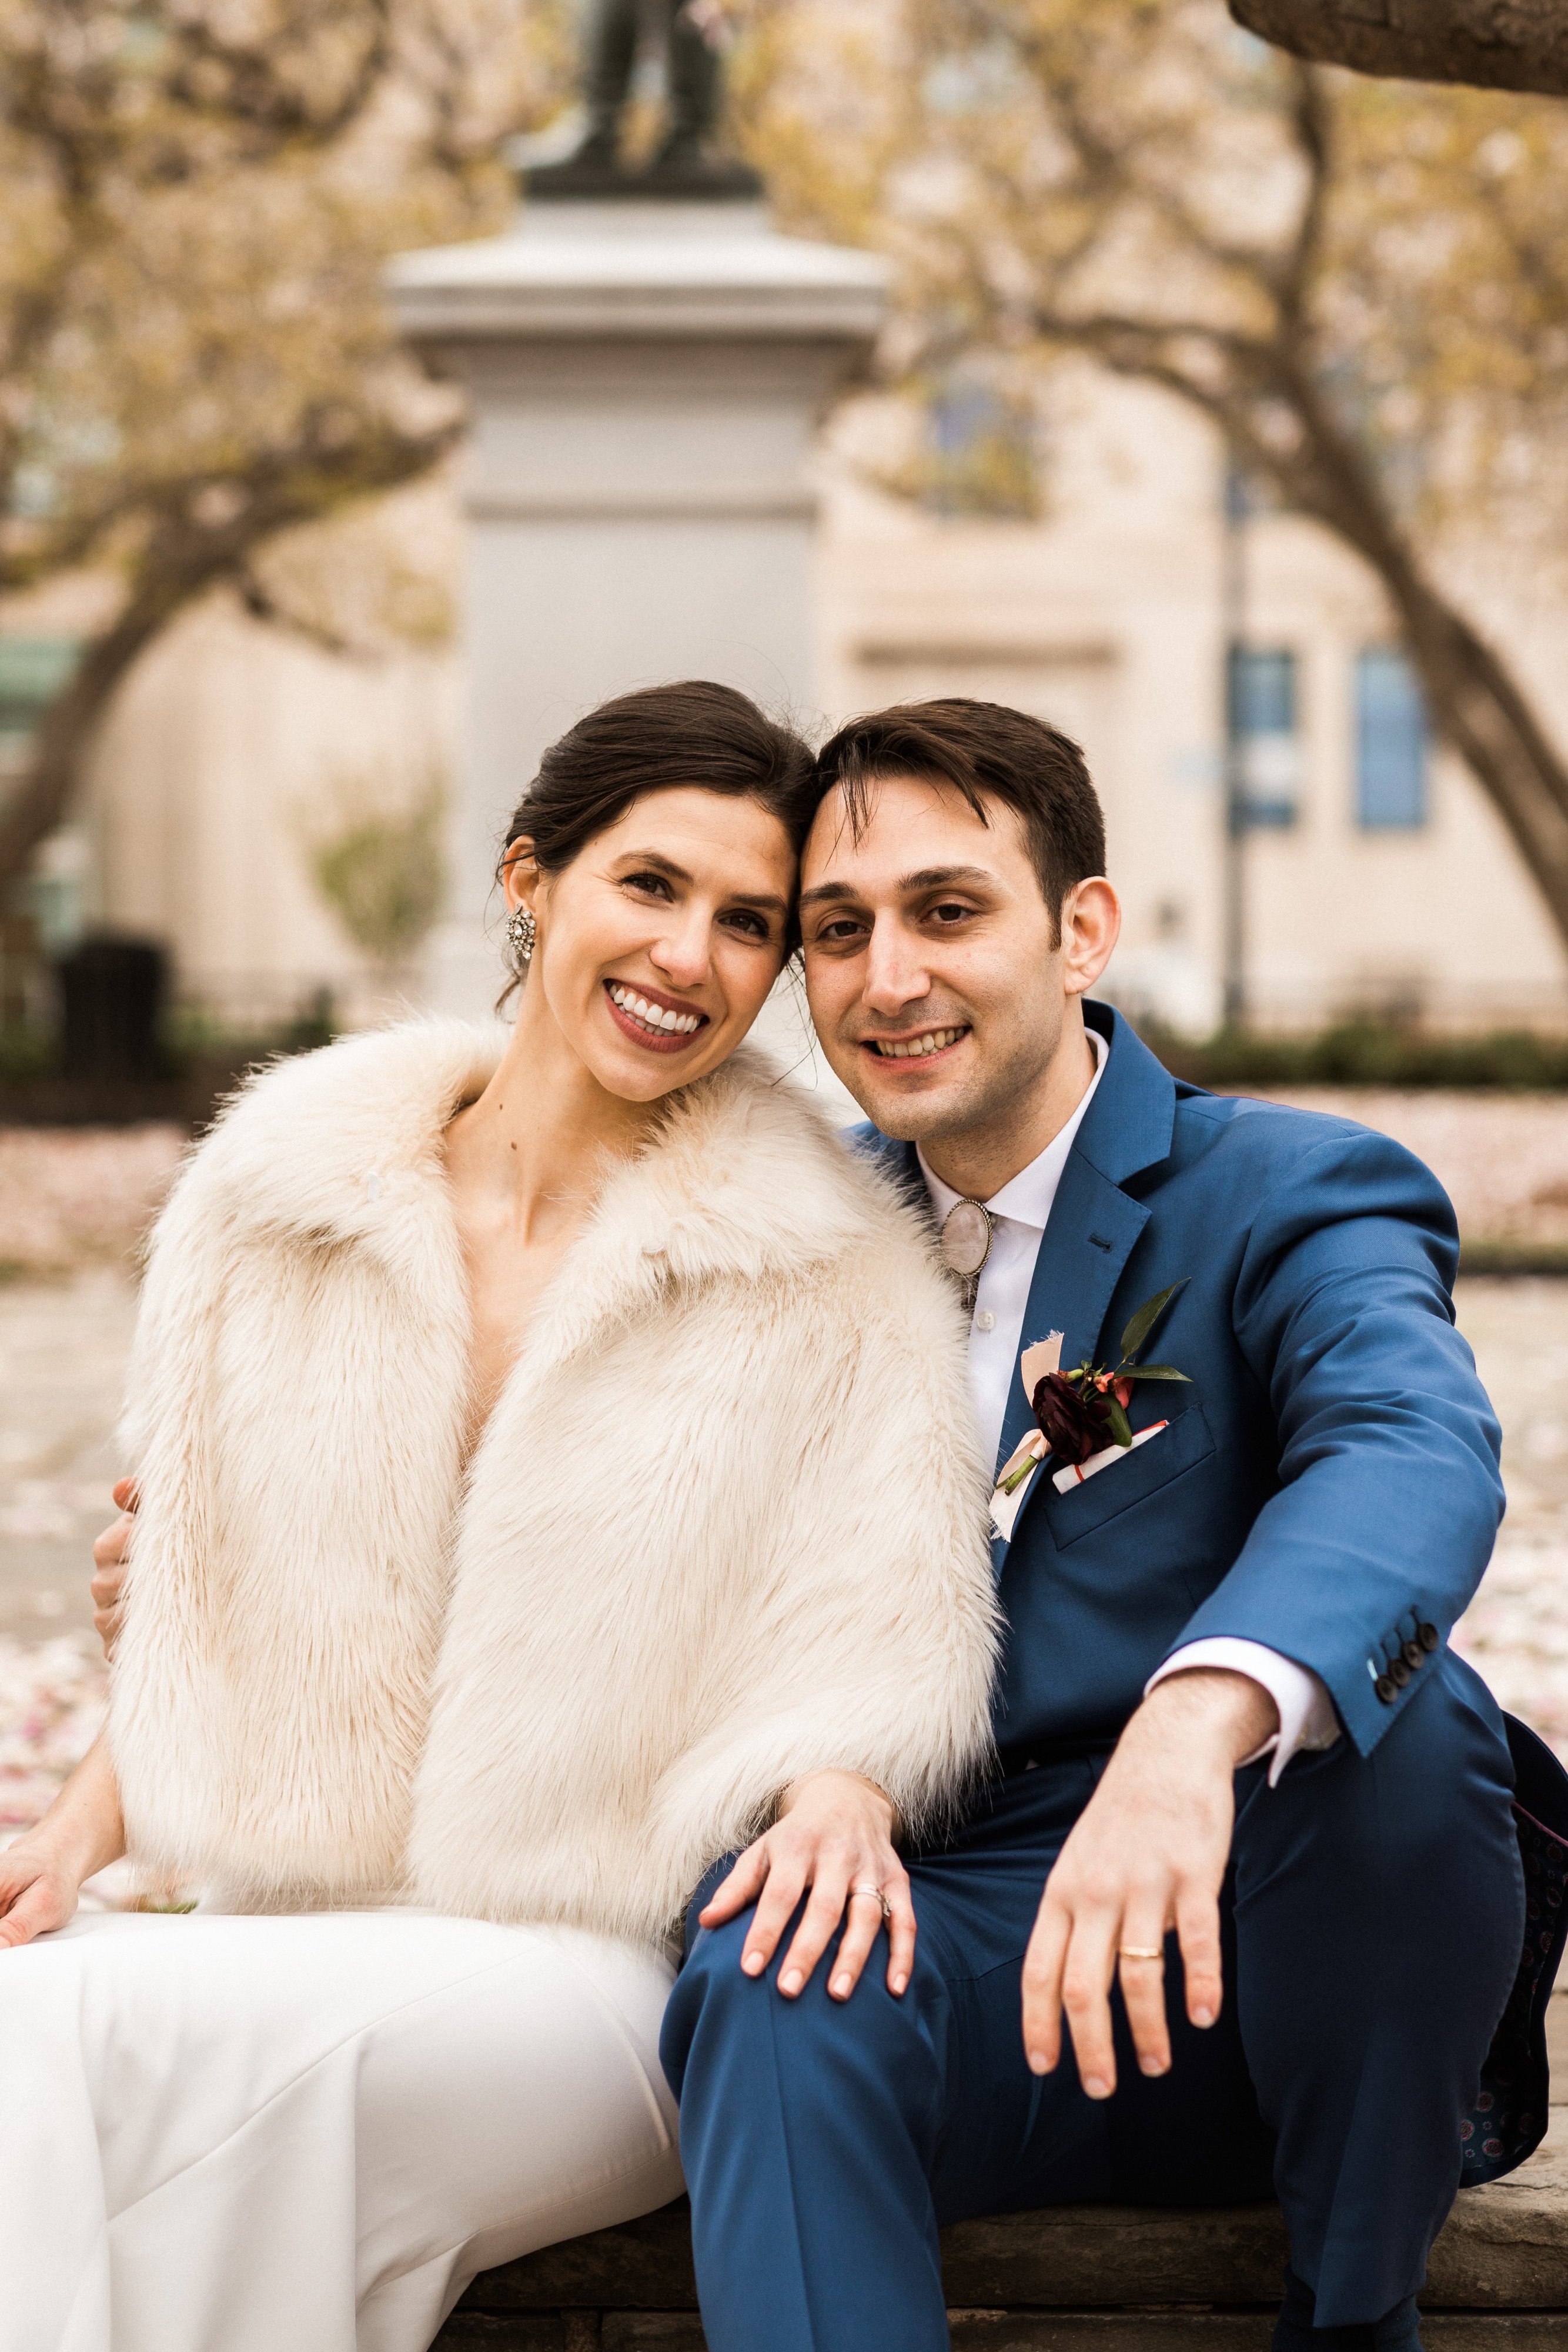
726, 1524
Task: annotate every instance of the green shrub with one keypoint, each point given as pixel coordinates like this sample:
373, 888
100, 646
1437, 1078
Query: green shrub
1369, 1054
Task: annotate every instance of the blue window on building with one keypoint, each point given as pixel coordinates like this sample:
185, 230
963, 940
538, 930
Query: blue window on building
1390, 743
1262, 691
1261, 687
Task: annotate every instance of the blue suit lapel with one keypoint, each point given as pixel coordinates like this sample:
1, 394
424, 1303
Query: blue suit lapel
1094, 1223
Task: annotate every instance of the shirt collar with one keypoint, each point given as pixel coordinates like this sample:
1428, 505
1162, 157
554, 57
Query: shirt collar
1027, 1197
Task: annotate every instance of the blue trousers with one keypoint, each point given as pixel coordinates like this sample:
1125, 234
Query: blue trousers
1373, 1918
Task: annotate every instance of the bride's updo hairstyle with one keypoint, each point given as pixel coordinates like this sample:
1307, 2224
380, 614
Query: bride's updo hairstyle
661, 737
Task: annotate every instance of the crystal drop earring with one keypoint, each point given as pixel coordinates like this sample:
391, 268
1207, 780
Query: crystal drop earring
521, 932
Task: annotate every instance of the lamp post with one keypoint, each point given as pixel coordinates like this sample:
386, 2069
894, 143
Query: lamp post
1233, 630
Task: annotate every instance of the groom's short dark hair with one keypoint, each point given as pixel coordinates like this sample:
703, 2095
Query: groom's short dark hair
979, 748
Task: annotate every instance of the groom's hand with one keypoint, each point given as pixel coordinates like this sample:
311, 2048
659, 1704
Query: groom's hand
834, 1832
1147, 1854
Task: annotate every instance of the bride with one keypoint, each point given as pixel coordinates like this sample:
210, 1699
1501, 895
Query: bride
555, 1463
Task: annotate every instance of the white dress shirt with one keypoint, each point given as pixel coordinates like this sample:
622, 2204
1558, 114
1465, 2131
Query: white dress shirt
996, 1338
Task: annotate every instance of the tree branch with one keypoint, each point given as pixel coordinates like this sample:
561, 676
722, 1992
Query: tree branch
263, 605
240, 82
182, 558
1312, 121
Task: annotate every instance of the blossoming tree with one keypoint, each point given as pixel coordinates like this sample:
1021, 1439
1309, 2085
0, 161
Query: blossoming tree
198, 198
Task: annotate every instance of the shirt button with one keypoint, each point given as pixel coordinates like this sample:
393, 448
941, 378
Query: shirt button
985, 1320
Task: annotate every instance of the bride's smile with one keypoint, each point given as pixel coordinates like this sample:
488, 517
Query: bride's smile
649, 1019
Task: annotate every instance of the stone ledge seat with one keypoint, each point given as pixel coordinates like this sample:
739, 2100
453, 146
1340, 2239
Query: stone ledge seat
1083, 2278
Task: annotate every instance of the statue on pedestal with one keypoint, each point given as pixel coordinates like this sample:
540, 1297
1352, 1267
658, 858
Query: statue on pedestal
684, 163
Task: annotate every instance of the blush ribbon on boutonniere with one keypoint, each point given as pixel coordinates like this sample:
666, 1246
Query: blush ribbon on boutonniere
1081, 1415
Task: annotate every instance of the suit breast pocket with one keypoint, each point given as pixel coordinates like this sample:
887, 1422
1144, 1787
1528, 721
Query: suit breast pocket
1121, 1484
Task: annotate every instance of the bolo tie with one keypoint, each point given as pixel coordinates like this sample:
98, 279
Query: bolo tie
965, 1244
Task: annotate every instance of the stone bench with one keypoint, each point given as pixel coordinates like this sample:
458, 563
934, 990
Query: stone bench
1079, 2278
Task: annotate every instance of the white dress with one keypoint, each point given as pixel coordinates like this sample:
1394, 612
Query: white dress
306, 2134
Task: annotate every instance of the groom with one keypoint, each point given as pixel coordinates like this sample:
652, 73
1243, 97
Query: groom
1270, 1809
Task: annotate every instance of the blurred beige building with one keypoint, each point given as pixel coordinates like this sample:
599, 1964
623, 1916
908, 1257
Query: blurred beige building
1376, 875
1377, 878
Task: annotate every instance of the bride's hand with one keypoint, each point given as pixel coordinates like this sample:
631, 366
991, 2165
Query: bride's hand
110, 1553
82, 1831
834, 1834
37, 1892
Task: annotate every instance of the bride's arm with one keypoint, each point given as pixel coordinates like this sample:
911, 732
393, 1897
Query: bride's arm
81, 1832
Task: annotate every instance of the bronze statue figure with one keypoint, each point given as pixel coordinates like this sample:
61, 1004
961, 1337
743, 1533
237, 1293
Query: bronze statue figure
684, 163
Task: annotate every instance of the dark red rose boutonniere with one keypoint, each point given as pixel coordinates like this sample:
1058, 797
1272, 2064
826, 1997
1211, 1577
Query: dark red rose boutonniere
1082, 1412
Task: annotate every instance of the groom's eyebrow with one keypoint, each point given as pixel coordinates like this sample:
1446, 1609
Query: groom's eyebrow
929, 877
941, 878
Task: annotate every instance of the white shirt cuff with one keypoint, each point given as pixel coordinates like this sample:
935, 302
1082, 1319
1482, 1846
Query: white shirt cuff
1307, 1717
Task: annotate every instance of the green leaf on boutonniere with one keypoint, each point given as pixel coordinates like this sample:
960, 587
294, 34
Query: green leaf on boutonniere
1157, 1373
1116, 1421
1141, 1325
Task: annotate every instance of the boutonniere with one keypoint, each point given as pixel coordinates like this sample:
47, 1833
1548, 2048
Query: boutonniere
1081, 1415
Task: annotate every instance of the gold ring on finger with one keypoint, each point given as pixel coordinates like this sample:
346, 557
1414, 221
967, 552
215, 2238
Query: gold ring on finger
876, 1896
1141, 1951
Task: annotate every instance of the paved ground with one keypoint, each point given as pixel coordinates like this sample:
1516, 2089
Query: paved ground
62, 1364
76, 1197
1516, 1628
1504, 1159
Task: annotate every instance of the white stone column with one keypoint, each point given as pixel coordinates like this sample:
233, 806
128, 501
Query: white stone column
647, 380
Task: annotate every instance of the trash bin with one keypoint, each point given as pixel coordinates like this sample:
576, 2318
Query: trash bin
112, 994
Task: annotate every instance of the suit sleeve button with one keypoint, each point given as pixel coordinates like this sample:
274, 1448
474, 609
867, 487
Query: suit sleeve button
1428, 1637
1387, 1691
1414, 1655
1399, 1672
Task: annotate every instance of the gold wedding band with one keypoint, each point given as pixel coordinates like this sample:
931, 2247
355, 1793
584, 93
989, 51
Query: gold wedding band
876, 1896
1141, 1951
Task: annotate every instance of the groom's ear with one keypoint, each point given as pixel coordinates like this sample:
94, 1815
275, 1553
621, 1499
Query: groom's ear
1091, 925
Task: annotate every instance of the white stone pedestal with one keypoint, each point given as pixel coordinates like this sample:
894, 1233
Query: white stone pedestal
646, 379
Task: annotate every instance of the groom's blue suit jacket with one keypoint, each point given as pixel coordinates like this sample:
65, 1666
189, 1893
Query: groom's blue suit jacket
1328, 1484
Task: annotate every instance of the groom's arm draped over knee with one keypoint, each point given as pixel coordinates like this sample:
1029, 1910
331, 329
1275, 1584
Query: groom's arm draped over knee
1382, 1521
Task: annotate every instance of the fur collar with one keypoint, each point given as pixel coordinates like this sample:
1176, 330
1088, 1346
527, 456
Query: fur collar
743, 1174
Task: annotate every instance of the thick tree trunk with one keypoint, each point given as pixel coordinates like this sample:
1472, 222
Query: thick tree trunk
1477, 704
1496, 44
44, 797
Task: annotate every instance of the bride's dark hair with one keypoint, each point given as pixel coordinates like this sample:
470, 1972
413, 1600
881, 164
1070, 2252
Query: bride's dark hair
692, 733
